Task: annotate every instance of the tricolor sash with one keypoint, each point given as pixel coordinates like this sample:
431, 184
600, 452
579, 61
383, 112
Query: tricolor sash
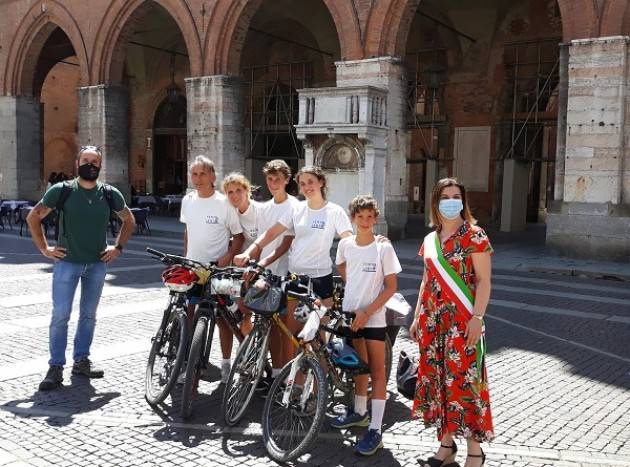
453, 288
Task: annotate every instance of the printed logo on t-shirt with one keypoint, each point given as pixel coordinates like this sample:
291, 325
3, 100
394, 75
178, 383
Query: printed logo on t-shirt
213, 220
253, 233
318, 224
369, 267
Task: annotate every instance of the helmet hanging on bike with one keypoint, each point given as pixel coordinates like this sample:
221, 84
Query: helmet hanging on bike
179, 279
407, 375
345, 357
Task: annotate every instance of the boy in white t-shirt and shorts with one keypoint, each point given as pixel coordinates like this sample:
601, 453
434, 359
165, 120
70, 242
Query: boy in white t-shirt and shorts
210, 223
368, 268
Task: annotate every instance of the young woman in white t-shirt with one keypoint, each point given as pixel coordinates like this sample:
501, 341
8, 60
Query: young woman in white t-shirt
238, 190
369, 268
315, 222
255, 217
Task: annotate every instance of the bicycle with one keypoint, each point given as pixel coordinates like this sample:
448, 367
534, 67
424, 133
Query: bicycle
293, 413
251, 357
168, 346
216, 302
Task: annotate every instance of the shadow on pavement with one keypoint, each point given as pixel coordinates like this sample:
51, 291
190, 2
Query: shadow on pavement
78, 397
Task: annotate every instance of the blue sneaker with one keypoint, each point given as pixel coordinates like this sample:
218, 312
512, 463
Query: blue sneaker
350, 418
371, 442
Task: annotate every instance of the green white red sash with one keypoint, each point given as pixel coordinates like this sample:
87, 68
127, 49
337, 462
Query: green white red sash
453, 288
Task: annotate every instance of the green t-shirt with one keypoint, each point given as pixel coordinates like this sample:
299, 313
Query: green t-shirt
83, 221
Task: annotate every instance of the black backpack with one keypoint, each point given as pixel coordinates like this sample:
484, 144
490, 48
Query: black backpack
66, 190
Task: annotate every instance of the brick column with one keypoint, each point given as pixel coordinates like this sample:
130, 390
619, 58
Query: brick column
593, 217
215, 121
103, 122
20, 148
387, 73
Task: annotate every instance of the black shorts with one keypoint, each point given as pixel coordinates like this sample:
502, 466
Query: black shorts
322, 286
375, 334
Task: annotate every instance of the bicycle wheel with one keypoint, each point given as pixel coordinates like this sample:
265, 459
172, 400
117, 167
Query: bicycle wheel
193, 368
245, 374
290, 429
166, 358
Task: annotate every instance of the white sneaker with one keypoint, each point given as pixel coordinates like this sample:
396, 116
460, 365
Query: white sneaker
225, 372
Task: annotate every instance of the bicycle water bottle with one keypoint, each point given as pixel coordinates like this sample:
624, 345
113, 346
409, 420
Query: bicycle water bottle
226, 286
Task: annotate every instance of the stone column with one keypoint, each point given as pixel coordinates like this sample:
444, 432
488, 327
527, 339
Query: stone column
103, 122
20, 148
514, 196
561, 139
593, 218
215, 122
387, 73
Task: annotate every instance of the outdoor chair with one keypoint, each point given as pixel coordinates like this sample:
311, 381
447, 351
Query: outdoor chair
5, 214
22, 215
141, 216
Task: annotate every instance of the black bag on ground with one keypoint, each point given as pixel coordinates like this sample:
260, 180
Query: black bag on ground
407, 375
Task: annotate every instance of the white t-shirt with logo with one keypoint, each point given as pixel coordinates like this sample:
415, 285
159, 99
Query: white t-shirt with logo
315, 231
210, 222
366, 268
269, 215
250, 221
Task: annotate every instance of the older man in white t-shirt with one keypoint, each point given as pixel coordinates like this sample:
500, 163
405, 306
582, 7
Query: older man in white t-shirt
211, 222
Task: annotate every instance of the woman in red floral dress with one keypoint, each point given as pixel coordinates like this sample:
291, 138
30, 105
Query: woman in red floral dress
452, 389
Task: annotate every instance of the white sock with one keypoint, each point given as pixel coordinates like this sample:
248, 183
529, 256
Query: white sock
226, 362
378, 409
360, 405
275, 372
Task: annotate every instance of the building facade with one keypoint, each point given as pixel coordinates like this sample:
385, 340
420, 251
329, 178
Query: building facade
524, 101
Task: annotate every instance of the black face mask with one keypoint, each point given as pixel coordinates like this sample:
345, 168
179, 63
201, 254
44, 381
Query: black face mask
89, 172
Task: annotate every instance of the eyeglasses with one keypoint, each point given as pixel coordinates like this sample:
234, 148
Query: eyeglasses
94, 149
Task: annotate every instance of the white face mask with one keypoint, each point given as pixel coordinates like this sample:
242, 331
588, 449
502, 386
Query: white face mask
451, 208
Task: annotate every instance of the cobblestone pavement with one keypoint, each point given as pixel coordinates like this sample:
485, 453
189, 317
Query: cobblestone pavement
558, 368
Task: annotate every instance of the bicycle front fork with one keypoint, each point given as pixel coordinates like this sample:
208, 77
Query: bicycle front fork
306, 388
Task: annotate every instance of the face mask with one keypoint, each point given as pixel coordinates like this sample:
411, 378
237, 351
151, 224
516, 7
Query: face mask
450, 208
89, 172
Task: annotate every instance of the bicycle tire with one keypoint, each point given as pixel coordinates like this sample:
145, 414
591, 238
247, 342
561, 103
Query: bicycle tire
175, 349
193, 368
276, 452
248, 368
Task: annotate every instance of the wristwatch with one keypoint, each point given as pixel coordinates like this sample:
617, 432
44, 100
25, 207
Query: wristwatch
480, 318
119, 247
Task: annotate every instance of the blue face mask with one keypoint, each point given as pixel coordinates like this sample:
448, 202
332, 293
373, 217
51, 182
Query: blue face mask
451, 208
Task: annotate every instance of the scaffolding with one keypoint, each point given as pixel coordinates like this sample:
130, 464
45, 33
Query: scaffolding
273, 108
532, 72
425, 97
530, 122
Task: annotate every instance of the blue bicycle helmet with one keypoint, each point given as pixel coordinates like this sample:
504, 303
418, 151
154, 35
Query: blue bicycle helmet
345, 357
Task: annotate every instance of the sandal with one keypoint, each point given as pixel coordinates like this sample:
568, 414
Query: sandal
482, 456
449, 461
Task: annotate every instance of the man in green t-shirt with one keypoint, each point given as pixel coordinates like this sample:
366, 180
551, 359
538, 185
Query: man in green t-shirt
82, 254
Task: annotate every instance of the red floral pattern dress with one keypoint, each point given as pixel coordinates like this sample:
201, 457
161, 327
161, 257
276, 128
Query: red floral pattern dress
449, 393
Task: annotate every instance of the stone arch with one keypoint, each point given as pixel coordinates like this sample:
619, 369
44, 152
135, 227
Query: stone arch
32, 33
228, 29
390, 23
113, 34
615, 19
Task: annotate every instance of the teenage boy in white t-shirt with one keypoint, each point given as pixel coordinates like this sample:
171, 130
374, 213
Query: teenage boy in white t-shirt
210, 223
274, 256
369, 269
